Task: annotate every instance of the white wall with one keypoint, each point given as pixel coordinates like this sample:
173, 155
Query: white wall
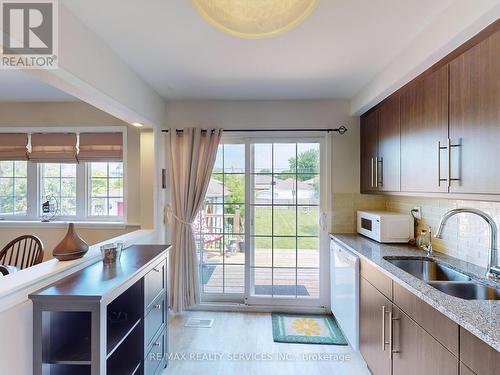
457, 24
285, 114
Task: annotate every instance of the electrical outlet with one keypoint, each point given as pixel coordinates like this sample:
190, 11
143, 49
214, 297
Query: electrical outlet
417, 212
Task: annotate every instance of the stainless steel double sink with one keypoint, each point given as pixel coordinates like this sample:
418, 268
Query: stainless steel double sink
444, 278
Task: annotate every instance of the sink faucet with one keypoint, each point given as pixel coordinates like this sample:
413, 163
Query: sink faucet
493, 268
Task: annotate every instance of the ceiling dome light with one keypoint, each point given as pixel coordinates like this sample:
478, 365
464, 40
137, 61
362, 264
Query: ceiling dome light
255, 19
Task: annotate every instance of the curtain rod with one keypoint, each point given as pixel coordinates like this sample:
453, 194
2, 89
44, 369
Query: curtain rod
341, 130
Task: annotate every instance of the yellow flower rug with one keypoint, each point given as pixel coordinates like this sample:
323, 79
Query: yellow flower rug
307, 329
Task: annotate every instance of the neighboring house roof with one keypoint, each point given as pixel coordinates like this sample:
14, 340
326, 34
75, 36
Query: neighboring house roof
312, 181
216, 189
264, 182
289, 184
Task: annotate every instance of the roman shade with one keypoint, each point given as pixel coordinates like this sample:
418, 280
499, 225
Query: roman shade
13, 146
101, 147
53, 148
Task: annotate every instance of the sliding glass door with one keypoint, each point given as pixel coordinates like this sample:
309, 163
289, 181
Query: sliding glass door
259, 234
284, 222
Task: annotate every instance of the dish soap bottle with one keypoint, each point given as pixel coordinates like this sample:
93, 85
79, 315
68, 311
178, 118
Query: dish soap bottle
424, 240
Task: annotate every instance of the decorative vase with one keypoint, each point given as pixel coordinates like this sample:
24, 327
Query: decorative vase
71, 247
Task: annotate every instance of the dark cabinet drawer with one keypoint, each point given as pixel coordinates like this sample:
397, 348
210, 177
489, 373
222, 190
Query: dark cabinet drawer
375, 277
439, 326
154, 283
155, 359
155, 319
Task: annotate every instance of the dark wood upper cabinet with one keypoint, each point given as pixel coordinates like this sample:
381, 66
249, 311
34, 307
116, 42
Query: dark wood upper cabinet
380, 148
475, 117
369, 150
439, 133
389, 145
424, 123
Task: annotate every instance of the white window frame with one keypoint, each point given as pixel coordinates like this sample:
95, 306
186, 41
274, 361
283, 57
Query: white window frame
82, 180
13, 178
325, 219
38, 213
88, 186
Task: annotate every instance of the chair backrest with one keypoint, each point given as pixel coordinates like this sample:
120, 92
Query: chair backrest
22, 252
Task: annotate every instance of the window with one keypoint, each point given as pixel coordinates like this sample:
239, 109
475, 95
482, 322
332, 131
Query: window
83, 191
106, 189
58, 181
13, 188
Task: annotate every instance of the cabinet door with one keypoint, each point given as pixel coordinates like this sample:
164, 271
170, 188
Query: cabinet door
477, 355
424, 122
369, 150
389, 146
417, 352
372, 334
475, 117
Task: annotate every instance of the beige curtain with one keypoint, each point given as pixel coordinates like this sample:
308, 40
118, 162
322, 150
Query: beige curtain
192, 158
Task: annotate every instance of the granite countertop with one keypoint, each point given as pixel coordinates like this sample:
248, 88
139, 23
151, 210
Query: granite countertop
481, 318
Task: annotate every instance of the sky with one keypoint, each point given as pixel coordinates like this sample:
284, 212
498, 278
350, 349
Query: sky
234, 156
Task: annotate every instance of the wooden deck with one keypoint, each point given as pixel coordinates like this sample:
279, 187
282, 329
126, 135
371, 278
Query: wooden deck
231, 279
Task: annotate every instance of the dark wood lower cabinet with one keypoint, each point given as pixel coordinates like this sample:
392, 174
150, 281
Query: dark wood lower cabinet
477, 355
464, 370
373, 316
416, 352
105, 319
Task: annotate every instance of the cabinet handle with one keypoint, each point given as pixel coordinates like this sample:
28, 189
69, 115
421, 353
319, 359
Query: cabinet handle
371, 181
449, 146
376, 172
384, 343
392, 319
438, 152
438, 157
380, 181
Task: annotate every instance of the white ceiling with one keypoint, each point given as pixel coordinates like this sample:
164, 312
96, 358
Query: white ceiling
334, 53
17, 86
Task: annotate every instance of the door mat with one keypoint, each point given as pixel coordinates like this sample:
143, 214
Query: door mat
307, 329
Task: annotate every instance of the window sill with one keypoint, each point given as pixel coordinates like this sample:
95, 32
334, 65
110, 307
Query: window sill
64, 224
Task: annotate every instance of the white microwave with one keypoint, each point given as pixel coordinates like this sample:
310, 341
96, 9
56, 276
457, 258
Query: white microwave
385, 227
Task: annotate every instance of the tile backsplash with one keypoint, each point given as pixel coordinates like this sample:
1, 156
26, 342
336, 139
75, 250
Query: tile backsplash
345, 206
466, 236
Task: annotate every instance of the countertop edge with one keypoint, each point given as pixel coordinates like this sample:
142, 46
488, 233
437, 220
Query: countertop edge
89, 298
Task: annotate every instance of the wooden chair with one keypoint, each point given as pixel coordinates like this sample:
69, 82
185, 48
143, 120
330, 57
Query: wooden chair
22, 252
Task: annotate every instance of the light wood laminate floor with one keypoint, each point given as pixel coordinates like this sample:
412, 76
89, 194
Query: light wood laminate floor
249, 335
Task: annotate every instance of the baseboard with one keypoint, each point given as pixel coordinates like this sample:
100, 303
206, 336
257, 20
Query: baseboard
240, 307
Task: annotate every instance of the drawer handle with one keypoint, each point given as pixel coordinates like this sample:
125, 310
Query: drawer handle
156, 269
157, 306
156, 344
